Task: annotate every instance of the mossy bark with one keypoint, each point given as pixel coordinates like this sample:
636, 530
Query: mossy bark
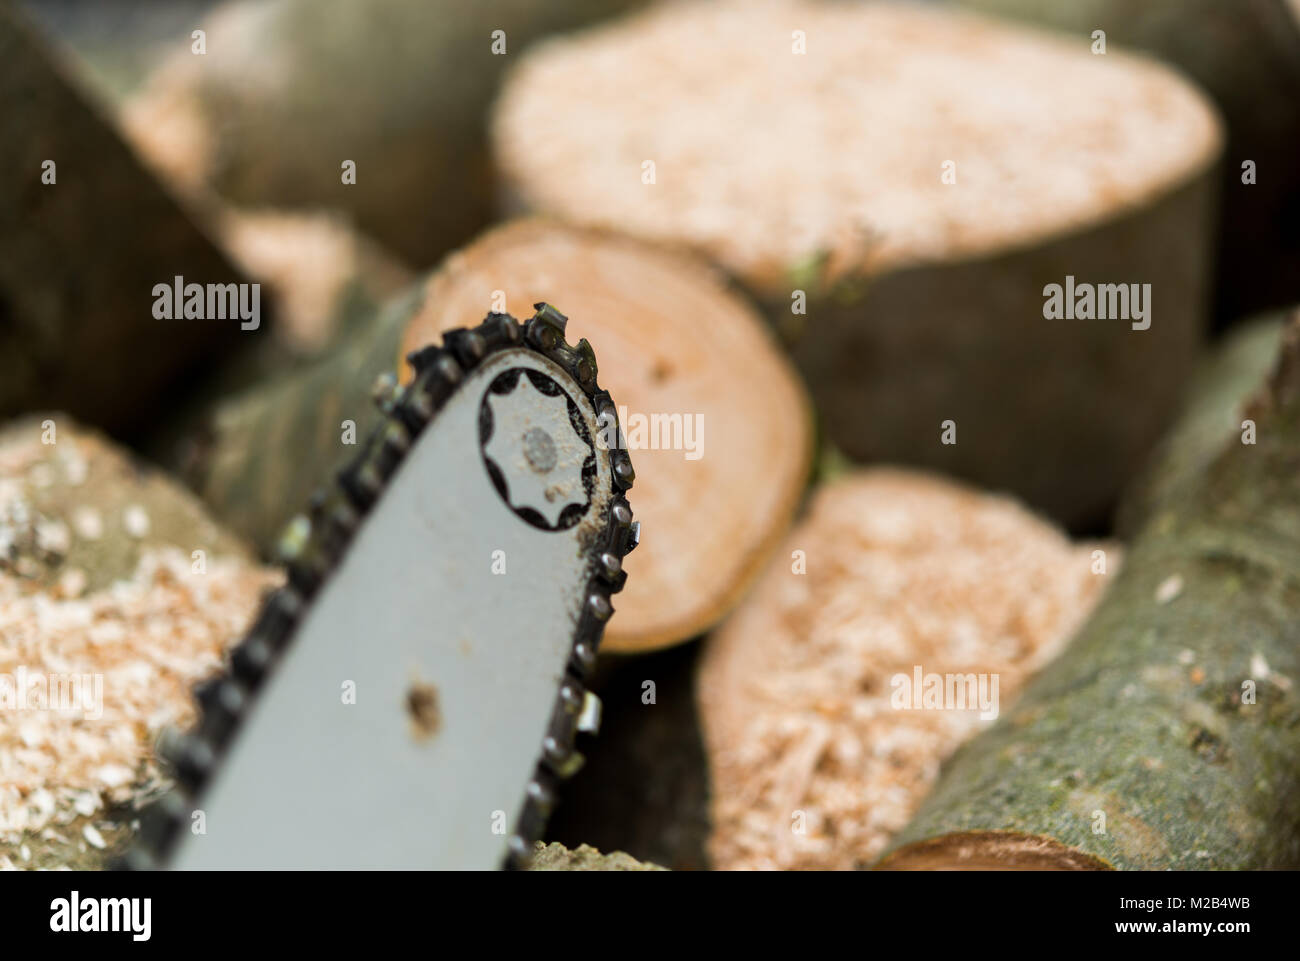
1246, 53
79, 257
1212, 415
556, 857
257, 458
1166, 736
88, 489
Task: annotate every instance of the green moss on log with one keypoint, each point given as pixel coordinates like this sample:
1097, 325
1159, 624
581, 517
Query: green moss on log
260, 456
1166, 736
1212, 415
556, 857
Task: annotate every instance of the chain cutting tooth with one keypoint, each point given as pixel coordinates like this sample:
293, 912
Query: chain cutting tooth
363, 484
588, 721
561, 758
570, 715
251, 660
193, 759
570, 698
396, 441
386, 392
294, 539
416, 410
610, 567
304, 555
598, 606
624, 475
545, 330
334, 521
254, 655
161, 822
441, 378
518, 853
583, 658
467, 346
223, 706
421, 360
584, 366
500, 330
539, 802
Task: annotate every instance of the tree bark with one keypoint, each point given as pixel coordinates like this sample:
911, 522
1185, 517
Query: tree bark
1166, 735
1212, 415
79, 258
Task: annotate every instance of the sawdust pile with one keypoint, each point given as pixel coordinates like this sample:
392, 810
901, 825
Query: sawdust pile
813, 765
89, 677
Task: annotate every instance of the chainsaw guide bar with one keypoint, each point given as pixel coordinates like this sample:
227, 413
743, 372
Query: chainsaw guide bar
468, 674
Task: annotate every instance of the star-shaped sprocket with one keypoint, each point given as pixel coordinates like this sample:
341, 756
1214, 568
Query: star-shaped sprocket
535, 450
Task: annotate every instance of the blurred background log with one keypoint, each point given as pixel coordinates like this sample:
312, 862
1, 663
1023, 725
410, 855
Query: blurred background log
290, 89
813, 760
1247, 55
1165, 737
920, 175
672, 340
81, 253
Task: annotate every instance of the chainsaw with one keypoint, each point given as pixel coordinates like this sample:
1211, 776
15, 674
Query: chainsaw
411, 697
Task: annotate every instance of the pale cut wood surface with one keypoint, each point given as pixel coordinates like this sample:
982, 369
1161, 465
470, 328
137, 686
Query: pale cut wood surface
766, 157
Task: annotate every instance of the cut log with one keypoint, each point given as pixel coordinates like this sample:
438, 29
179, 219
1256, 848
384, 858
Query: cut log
921, 177
1165, 737
82, 244
113, 571
288, 90
1246, 54
689, 363
816, 696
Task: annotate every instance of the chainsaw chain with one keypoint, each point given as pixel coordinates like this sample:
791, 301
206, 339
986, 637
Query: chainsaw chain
314, 544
